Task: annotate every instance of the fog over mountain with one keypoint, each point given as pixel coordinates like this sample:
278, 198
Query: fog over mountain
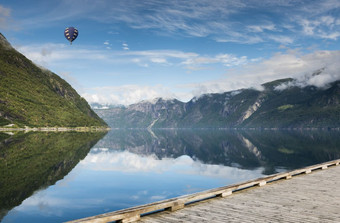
303, 67
292, 64
284, 103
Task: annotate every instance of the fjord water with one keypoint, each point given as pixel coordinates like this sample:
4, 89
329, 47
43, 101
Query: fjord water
56, 177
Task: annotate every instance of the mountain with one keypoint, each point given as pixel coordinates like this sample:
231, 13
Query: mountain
35, 97
279, 105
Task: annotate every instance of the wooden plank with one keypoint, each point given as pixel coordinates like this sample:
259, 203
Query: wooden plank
226, 193
176, 206
262, 183
288, 177
130, 219
309, 198
179, 202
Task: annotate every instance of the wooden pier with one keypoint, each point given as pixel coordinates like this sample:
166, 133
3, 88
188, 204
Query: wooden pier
306, 198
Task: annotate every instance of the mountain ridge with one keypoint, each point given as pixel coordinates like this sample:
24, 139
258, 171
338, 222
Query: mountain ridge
35, 97
273, 107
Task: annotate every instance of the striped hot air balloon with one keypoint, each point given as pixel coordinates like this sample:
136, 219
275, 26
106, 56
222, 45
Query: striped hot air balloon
71, 34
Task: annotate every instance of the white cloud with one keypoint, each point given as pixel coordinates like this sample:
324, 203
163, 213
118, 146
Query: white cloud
140, 62
325, 27
241, 71
252, 74
225, 59
220, 20
322, 80
204, 19
5, 14
107, 44
330, 35
327, 20
158, 60
48, 54
125, 46
319, 7
234, 37
308, 27
281, 39
162, 57
127, 94
161, 53
282, 65
261, 28
231, 60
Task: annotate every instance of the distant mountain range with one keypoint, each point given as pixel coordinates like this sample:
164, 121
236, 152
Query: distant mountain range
279, 105
35, 97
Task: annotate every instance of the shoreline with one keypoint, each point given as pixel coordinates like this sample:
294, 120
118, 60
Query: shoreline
101, 128
55, 129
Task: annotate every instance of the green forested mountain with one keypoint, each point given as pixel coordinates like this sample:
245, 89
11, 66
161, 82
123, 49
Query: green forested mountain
273, 107
34, 97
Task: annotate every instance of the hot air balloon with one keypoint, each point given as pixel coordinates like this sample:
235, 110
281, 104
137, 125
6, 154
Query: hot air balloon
71, 34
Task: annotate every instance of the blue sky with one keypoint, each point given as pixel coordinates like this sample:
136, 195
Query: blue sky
133, 50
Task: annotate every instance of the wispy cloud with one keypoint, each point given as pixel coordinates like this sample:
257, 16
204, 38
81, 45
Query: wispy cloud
282, 65
125, 46
325, 27
47, 54
261, 28
227, 60
223, 21
50, 54
281, 39
242, 72
127, 94
5, 14
107, 45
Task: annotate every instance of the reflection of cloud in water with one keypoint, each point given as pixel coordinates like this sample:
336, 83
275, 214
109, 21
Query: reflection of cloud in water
50, 205
124, 161
45, 204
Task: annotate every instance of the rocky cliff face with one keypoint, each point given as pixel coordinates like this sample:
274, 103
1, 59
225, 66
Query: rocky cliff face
293, 107
35, 97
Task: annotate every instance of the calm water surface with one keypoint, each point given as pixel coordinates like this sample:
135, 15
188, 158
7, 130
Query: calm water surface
55, 177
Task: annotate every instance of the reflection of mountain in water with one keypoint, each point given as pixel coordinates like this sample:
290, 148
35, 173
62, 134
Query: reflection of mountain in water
32, 161
273, 150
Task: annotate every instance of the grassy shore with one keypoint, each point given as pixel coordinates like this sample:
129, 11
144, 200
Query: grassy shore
55, 129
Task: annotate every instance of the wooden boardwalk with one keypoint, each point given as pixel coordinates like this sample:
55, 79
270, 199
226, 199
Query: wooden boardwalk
305, 198
310, 198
